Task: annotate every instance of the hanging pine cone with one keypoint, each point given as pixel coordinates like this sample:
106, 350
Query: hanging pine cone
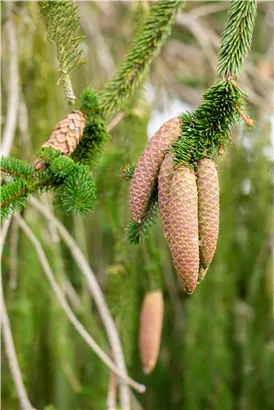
147, 169
66, 135
150, 329
164, 184
208, 209
183, 237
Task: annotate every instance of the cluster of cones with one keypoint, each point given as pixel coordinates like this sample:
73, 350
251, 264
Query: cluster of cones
188, 202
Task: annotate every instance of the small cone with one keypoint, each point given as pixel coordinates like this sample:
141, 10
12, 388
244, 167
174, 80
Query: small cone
164, 184
151, 322
208, 209
145, 174
183, 237
66, 135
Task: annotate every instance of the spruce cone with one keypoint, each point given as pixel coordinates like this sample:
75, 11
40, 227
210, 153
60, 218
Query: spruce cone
208, 209
147, 169
164, 184
66, 135
183, 237
150, 329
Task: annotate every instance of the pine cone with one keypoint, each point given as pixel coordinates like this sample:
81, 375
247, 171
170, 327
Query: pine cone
66, 135
147, 169
164, 184
150, 329
183, 237
208, 209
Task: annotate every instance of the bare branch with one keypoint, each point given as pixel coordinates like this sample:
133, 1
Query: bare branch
62, 300
7, 336
98, 297
13, 254
13, 85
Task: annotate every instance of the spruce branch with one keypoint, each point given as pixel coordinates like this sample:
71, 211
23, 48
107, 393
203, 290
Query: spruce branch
127, 172
206, 131
137, 231
16, 168
145, 46
62, 21
236, 38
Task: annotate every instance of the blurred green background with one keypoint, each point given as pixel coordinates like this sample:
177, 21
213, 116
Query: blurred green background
217, 344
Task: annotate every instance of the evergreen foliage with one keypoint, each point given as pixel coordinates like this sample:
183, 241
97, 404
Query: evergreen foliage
217, 345
209, 126
16, 168
236, 38
14, 195
127, 172
78, 190
91, 145
145, 46
136, 231
62, 21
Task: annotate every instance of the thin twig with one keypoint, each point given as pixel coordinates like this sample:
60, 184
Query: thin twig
111, 396
249, 122
13, 85
115, 121
98, 297
62, 300
13, 254
7, 337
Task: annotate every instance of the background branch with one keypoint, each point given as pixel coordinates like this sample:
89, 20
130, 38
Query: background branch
8, 339
62, 300
13, 83
96, 294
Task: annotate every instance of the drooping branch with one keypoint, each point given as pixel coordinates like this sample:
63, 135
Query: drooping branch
236, 38
208, 128
145, 46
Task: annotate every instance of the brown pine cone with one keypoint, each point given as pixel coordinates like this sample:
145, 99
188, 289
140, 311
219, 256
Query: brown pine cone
151, 322
145, 174
208, 209
164, 184
183, 237
66, 135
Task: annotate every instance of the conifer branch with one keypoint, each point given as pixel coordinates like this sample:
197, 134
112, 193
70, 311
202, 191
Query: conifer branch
236, 38
206, 131
145, 46
62, 21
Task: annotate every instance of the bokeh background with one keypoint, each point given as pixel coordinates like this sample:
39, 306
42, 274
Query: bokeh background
217, 344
